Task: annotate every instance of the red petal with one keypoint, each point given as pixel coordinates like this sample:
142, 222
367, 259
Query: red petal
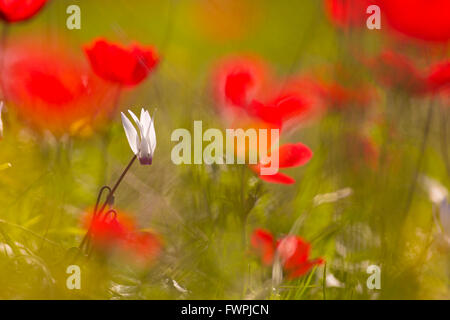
238, 80
19, 10
304, 268
126, 66
293, 155
348, 13
263, 241
292, 106
277, 178
398, 71
144, 247
439, 76
294, 251
267, 113
422, 19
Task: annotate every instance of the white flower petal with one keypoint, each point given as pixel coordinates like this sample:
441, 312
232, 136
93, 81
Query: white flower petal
138, 123
152, 137
131, 133
145, 119
436, 191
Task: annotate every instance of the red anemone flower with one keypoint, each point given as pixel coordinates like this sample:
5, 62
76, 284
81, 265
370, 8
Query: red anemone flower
289, 156
52, 90
116, 232
263, 242
427, 20
107, 232
124, 66
397, 71
283, 108
19, 10
243, 88
348, 13
293, 252
239, 80
143, 247
439, 76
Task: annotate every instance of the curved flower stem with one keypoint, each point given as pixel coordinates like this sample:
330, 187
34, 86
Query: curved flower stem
109, 200
116, 185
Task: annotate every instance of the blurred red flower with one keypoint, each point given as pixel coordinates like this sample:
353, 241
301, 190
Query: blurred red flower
53, 90
142, 247
438, 80
116, 232
293, 252
348, 13
243, 87
19, 10
397, 71
427, 20
438, 77
264, 243
246, 92
279, 110
289, 156
124, 66
107, 232
239, 80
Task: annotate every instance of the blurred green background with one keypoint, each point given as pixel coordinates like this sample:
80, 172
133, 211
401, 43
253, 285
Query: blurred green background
198, 209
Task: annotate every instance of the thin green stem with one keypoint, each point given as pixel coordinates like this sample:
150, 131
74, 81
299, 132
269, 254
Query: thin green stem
108, 200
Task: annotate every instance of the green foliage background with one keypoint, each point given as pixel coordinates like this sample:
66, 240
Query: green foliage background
205, 214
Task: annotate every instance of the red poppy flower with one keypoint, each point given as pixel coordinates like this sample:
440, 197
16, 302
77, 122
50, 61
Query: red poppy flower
52, 90
143, 247
107, 232
263, 242
427, 20
244, 85
439, 76
117, 233
281, 109
289, 156
125, 66
293, 251
19, 10
399, 72
239, 80
348, 13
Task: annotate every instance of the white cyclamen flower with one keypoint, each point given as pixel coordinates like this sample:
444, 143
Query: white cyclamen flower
143, 140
